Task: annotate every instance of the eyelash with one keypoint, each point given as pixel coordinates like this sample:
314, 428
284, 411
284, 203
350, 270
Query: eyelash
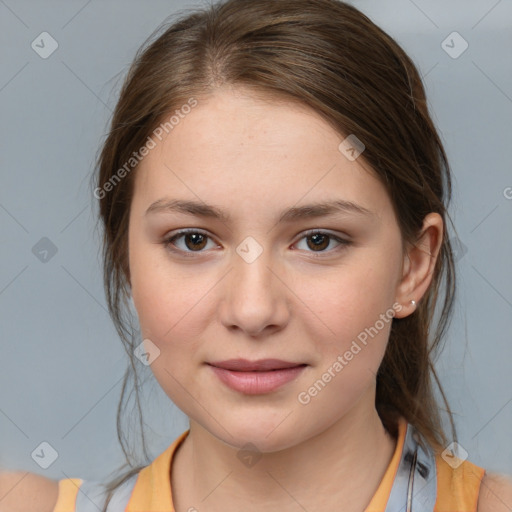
168, 243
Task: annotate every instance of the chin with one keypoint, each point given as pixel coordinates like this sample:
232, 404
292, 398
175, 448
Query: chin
265, 436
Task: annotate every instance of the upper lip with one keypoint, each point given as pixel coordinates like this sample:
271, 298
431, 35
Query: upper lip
244, 365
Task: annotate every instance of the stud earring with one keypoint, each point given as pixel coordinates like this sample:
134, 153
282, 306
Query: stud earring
413, 303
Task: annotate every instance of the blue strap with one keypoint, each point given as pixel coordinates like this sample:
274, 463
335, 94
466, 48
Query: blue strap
92, 496
415, 486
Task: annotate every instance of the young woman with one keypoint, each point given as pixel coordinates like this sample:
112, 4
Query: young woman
273, 194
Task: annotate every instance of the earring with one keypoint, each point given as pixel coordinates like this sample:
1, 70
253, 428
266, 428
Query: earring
413, 303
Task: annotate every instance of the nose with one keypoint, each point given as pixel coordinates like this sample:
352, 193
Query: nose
255, 298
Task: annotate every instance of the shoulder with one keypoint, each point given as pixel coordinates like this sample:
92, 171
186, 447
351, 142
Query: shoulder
495, 493
21, 491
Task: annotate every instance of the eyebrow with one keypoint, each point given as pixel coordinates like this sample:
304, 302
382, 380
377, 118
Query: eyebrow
294, 213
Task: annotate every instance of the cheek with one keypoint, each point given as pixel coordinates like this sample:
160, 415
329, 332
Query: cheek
172, 317
349, 312
350, 338
173, 305
342, 303
168, 307
159, 296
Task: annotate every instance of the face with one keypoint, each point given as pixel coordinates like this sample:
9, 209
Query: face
264, 279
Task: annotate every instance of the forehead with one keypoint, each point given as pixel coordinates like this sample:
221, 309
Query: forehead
236, 148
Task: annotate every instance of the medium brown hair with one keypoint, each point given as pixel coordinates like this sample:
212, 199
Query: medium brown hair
329, 56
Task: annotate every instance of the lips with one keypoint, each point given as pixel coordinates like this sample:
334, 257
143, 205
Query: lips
261, 365
256, 377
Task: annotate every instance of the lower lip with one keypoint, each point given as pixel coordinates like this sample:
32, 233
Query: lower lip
257, 383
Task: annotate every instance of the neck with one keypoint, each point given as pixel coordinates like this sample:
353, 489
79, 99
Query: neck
341, 465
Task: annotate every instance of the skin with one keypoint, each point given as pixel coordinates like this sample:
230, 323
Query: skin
255, 157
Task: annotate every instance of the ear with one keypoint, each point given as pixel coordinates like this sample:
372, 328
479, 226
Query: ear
419, 263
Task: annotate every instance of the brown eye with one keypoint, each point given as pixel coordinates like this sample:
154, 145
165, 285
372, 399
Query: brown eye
197, 241
319, 241
190, 241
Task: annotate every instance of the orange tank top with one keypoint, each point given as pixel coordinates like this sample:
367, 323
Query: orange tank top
458, 485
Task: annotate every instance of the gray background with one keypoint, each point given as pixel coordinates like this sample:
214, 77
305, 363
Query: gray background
61, 362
